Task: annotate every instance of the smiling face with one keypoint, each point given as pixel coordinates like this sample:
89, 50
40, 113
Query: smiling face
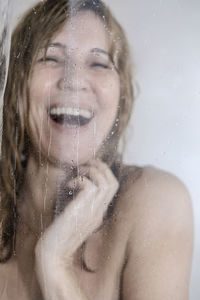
74, 92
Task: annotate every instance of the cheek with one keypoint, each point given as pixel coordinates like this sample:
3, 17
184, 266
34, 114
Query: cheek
110, 89
40, 92
110, 95
41, 85
38, 108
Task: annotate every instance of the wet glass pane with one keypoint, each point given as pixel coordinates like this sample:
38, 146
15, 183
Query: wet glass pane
99, 150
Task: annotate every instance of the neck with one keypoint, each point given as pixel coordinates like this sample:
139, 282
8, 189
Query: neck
39, 193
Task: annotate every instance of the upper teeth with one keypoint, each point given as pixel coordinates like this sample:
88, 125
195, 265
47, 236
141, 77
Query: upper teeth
71, 111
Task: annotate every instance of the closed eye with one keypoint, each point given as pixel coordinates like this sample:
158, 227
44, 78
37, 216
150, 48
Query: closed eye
105, 66
48, 58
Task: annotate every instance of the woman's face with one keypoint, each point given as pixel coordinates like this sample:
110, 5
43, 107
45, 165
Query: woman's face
74, 92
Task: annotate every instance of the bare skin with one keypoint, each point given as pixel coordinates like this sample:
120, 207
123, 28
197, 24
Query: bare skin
136, 253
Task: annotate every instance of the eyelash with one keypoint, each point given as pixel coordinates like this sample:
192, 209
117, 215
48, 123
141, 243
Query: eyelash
100, 65
44, 59
52, 59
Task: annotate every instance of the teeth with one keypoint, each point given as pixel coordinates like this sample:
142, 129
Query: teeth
71, 111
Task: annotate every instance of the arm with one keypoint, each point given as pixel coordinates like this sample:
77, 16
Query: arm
55, 250
160, 242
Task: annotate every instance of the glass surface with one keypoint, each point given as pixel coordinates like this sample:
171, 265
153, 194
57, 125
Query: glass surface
74, 94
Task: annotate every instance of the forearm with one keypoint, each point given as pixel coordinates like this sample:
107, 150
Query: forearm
55, 250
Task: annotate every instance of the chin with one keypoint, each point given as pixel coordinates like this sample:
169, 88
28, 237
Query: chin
64, 161
65, 151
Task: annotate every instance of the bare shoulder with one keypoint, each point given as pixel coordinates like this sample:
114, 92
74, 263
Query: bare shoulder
159, 212
156, 199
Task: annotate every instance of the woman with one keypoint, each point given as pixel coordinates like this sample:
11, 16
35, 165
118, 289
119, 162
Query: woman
75, 222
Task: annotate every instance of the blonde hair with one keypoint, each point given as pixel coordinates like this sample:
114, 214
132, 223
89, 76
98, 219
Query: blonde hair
38, 27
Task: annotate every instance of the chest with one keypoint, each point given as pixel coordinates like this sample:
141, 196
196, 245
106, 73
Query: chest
100, 262
98, 266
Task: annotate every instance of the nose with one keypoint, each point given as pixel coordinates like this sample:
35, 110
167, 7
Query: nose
74, 78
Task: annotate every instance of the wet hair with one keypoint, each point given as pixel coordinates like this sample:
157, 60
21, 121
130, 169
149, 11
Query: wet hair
37, 27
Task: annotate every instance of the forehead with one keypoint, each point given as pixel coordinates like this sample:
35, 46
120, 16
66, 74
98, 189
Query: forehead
83, 31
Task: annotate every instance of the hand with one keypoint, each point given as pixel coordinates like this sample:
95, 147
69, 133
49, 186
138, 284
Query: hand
80, 218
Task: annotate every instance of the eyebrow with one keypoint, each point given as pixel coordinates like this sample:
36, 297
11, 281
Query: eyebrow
64, 47
57, 45
98, 50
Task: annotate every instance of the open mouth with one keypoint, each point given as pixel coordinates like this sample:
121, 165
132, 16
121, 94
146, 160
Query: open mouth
71, 117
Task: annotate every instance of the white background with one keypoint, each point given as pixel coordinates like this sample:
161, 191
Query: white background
165, 126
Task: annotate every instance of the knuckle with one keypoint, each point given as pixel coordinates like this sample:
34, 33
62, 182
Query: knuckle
116, 183
92, 189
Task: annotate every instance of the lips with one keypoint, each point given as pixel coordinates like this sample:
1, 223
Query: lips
70, 116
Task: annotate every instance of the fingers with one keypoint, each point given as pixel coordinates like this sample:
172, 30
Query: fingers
109, 178
80, 182
104, 168
99, 174
96, 190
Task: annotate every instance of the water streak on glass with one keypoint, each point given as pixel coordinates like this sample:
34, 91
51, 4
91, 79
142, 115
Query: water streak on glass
5, 9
